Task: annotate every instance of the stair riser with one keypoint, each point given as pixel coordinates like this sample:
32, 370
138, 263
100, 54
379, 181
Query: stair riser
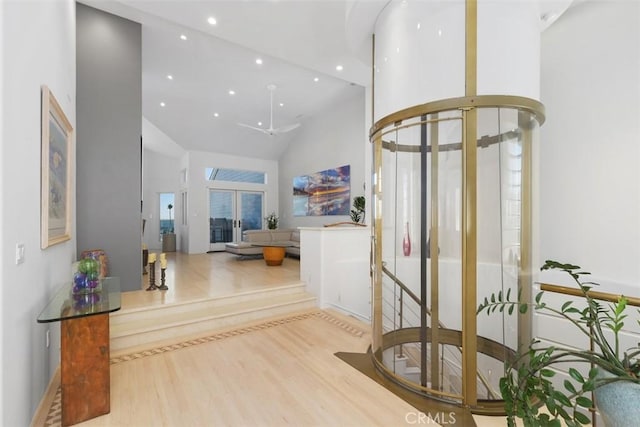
205, 326
160, 312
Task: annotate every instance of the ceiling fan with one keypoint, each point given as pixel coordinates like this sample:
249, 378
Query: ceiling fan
271, 131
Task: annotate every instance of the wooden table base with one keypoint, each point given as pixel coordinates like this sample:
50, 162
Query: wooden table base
84, 368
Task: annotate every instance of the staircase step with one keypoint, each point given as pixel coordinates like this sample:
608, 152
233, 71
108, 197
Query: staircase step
138, 328
158, 312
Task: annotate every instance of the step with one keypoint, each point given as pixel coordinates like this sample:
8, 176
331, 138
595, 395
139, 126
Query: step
177, 325
158, 312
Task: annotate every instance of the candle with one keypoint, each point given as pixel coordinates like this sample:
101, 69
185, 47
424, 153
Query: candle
152, 257
163, 263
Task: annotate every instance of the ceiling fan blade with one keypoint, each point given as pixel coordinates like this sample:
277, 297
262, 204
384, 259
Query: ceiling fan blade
271, 131
254, 128
288, 128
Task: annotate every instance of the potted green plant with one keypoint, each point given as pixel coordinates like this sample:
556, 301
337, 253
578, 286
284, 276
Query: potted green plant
357, 213
528, 385
272, 221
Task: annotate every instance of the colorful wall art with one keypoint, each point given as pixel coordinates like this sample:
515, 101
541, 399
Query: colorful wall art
323, 193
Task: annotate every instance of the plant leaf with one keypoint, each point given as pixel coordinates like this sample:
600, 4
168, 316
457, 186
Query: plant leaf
584, 401
581, 418
573, 372
560, 397
569, 386
547, 373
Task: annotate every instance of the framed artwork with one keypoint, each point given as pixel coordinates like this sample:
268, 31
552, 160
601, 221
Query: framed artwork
56, 171
322, 193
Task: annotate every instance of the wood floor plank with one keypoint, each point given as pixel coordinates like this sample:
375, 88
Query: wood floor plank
276, 372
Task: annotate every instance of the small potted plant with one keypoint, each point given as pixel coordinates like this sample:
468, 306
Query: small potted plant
528, 382
272, 221
357, 213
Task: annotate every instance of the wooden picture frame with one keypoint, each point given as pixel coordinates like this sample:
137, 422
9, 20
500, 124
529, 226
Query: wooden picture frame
56, 172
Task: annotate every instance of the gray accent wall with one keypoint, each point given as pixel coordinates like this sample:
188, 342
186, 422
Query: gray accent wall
109, 127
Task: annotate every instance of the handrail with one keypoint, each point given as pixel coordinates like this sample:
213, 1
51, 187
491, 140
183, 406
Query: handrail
413, 296
402, 285
603, 296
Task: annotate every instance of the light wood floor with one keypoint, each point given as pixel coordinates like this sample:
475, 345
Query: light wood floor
193, 277
277, 372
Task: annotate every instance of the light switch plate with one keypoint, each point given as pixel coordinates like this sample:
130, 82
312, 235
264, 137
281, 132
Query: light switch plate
19, 253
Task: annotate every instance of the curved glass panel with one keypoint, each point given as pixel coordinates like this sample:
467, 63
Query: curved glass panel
439, 247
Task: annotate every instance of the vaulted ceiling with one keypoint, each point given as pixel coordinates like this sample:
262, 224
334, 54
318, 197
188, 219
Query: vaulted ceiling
190, 66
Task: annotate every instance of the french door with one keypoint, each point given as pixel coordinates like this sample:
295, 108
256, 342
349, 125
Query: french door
230, 213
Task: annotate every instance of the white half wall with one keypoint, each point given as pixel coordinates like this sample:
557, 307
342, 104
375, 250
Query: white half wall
39, 44
590, 143
336, 137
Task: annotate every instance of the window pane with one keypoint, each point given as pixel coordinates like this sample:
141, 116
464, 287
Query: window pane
167, 215
234, 175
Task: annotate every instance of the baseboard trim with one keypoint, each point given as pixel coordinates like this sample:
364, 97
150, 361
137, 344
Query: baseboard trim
42, 412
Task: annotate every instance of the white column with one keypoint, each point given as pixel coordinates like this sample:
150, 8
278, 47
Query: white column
420, 51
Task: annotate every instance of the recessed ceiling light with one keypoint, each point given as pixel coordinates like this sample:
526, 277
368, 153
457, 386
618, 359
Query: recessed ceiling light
216, 115
232, 92
316, 79
259, 123
259, 61
419, 25
183, 37
282, 104
162, 104
169, 76
339, 67
212, 21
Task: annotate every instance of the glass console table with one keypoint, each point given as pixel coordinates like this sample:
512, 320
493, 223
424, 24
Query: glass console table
84, 348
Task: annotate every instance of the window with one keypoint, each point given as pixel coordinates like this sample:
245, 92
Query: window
235, 175
167, 220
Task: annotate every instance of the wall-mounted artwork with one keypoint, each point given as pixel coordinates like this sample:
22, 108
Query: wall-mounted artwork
323, 193
56, 157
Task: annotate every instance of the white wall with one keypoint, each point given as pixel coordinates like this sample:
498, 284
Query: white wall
589, 160
335, 137
2, 244
161, 174
198, 190
39, 43
590, 143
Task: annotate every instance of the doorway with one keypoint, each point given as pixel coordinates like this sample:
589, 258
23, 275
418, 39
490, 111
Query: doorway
230, 213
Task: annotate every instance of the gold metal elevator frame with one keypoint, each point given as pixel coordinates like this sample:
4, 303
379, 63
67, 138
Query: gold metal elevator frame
466, 339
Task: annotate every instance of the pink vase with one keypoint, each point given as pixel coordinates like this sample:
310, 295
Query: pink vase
406, 242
